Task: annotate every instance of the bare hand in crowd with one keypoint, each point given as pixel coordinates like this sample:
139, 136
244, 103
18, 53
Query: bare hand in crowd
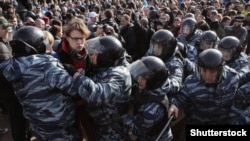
111, 29
173, 110
76, 74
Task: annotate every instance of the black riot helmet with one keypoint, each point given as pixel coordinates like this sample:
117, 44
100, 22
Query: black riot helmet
28, 40
109, 51
188, 27
230, 47
209, 39
211, 59
164, 39
152, 68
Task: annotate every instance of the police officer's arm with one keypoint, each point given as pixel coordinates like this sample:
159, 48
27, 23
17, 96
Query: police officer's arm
57, 77
148, 115
176, 75
239, 113
179, 100
103, 91
244, 79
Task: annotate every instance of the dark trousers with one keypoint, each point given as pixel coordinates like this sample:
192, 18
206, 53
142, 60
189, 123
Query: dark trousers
17, 121
247, 51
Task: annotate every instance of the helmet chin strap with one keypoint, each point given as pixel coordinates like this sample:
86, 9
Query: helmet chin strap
211, 84
118, 61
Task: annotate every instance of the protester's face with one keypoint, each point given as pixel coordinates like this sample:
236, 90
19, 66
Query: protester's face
142, 81
158, 27
177, 23
64, 10
209, 76
38, 10
238, 22
124, 22
248, 17
11, 10
197, 12
227, 23
199, 18
163, 18
179, 16
214, 15
217, 4
3, 32
60, 33
13, 21
76, 40
119, 16
99, 30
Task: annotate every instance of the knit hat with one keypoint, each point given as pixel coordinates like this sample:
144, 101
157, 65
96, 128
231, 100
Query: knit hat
239, 17
4, 23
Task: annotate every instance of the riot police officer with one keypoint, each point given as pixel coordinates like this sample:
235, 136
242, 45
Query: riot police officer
207, 95
189, 32
164, 46
107, 90
233, 54
149, 104
209, 39
41, 85
241, 107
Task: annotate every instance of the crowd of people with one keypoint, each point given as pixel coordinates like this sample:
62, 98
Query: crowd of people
121, 69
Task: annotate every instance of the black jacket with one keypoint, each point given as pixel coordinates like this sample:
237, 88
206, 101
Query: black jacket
5, 86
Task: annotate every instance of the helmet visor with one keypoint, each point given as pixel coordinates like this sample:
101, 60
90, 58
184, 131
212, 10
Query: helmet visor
185, 29
137, 69
209, 76
157, 49
94, 46
19, 46
227, 54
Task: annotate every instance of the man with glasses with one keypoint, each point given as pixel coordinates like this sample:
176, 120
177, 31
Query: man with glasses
237, 29
71, 51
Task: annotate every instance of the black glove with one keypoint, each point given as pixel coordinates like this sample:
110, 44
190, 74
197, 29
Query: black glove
182, 48
70, 69
240, 101
179, 55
